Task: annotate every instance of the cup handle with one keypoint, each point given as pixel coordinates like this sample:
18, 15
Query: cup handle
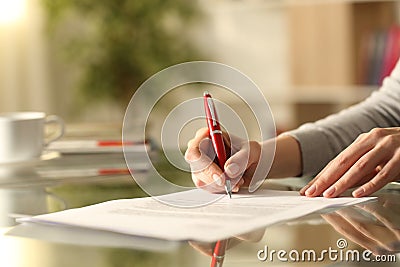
53, 119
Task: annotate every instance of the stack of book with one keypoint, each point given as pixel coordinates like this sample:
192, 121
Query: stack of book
99, 146
379, 53
84, 158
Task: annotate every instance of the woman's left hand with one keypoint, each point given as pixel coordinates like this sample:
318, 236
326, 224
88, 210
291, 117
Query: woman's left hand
370, 162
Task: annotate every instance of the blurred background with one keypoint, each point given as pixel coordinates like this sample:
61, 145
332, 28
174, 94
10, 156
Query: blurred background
84, 59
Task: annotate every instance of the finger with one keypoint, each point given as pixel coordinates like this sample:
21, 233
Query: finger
254, 236
237, 186
378, 237
389, 173
364, 180
193, 152
387, 217
203, 247
343, 227
308, 185
206, 174
363, 167
210, 178
342, 163
201, 155
248, 154
210, 187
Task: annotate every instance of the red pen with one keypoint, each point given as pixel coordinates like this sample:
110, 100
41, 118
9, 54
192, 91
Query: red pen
216, 136
219, 253
215, 133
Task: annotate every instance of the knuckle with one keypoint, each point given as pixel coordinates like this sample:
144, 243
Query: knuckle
361, 164
371, 185
362, 137
377, 132
341, 161
190, 155
383, 175
322, 182
390, 140
201, 132
381, 146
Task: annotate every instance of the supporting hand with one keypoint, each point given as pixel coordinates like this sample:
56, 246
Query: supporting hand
372, 161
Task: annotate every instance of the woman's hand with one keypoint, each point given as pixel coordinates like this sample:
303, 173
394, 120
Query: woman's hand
372, 161
248, 164
239, 167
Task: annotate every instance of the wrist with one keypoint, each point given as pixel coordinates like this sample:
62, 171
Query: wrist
287, 159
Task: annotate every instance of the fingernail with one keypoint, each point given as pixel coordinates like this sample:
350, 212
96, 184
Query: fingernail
238, 185
304, 189
232, 169
217, 179
311, 190
359, 192
330, 191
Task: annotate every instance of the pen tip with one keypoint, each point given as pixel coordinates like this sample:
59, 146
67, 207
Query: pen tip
206, 93
228, 188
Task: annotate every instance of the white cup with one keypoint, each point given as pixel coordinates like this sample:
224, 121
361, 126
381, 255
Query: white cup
22, 135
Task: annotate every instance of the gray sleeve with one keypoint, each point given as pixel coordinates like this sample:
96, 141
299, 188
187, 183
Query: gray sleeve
322, 140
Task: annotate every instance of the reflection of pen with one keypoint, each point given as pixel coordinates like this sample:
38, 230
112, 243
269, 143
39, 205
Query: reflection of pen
216, 137
219, 253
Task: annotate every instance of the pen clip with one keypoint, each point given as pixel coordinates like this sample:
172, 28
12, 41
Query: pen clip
211, 107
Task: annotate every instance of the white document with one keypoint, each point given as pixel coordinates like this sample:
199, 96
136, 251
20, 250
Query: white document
222, 219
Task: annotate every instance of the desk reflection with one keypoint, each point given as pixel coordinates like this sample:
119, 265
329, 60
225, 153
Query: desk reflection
26, 191
25, 200
374, 226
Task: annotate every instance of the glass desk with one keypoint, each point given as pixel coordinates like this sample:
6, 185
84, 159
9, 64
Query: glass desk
32, 188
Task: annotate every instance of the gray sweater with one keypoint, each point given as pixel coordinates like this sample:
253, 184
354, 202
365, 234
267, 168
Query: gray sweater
322, 140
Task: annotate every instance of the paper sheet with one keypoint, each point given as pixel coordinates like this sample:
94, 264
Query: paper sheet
222, 219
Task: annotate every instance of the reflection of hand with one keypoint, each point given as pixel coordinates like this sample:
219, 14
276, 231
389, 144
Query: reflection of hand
379, 235
372, 161
239, 167
208, 248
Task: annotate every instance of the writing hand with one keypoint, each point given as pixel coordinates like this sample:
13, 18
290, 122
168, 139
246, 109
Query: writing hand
370, 162
239, 167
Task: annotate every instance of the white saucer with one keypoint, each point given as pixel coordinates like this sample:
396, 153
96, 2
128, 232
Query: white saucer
46, 155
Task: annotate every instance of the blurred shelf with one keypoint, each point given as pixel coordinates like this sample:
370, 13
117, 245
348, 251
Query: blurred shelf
341, 95
330, 94
290, 3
